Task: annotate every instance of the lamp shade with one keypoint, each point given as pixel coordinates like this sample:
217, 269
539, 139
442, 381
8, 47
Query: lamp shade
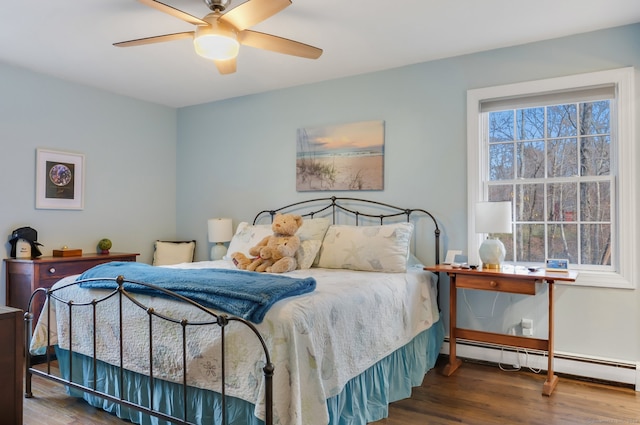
220, 230
493, 217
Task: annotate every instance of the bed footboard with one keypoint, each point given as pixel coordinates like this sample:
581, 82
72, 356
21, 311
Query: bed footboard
85, 314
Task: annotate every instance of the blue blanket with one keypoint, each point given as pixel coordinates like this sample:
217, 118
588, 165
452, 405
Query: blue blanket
241, 293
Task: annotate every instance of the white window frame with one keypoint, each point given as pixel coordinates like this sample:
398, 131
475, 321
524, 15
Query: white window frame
623, 153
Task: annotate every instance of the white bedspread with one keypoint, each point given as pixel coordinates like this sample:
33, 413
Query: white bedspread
317, 341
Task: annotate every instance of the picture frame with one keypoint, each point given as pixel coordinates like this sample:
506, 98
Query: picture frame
450, 258
557, 265
342, 157
59, 180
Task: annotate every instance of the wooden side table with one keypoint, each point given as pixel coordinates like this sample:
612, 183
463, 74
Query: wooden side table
507, 279
25, 275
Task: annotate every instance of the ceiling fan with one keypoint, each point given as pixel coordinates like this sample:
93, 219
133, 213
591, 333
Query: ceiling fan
219, 35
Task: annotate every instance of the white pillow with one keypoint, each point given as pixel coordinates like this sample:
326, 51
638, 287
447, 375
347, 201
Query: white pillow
168, 252
307, 253
246, 237
414, 262
313, 228
382, 248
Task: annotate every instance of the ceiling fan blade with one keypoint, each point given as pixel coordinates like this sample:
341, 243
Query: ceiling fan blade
226, 66
156, 39
173, 12
252, 12
278, 44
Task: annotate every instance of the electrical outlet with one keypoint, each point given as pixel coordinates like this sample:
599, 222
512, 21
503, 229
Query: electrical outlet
527, 327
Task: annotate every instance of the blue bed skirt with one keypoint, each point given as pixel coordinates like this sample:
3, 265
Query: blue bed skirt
364, 399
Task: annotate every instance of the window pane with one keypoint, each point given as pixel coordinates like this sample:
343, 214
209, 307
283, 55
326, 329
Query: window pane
529, 202
594, 156
563, 241
507, 240
562, 201
530, 124
502, 192
596, 244
562, 120
595, 201
501, 161
562, 158
530, 242
595, 117
530, 160
500, 126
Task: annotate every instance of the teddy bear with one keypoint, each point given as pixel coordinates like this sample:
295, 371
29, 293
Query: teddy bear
274, 253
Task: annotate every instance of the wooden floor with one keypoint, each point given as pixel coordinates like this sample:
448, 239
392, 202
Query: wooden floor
475, 394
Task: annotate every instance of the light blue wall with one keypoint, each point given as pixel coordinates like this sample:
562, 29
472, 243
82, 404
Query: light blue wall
236, 157
130, 162
154, 172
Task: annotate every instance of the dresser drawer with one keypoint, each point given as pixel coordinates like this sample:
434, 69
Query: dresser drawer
492, 283
62, 269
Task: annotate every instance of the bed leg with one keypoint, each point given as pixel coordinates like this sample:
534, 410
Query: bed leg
27, 385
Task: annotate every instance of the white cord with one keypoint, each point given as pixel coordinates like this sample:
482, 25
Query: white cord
515, 368
493, 307
544, 354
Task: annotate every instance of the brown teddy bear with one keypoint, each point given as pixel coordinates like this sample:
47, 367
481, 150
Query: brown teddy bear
275, 253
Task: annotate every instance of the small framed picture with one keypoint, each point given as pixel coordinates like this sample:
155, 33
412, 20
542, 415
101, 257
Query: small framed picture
557, 265
451, 256
59, 180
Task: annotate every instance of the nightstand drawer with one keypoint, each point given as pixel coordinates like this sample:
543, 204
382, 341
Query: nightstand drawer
492, 283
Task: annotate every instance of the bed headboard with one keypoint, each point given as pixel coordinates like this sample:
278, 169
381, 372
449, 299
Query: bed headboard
346, 210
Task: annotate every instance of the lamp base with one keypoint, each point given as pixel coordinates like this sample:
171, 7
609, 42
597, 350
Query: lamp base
492, 253
218, 251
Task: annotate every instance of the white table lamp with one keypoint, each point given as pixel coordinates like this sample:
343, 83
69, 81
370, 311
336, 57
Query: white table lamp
493, 217
220, 231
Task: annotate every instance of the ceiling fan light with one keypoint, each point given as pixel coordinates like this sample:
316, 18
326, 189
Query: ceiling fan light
217, 40
217, 47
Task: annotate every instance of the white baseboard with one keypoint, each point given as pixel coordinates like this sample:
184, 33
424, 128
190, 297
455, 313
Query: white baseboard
570, 364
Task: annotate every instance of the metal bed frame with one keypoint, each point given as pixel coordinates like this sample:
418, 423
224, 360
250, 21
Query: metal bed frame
361, 209
221, 320
355, 207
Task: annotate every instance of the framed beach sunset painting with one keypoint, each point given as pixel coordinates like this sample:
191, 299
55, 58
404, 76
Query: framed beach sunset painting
340, 157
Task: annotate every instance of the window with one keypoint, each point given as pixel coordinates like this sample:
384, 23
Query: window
562, 151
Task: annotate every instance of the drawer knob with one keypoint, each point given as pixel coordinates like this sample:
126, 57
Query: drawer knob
493, 283
52, 270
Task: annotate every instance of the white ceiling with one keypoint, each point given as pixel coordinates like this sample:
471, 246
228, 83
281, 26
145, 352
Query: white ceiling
72, 40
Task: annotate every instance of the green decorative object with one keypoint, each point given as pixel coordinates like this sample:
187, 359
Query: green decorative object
104, 246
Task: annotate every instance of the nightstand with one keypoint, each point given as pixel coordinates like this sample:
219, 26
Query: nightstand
507, 279
26, 275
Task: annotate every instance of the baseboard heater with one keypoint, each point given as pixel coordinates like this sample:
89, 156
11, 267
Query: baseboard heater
615, 372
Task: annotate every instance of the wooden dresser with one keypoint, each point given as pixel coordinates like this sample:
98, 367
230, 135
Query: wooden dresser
11, 365
25, 275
